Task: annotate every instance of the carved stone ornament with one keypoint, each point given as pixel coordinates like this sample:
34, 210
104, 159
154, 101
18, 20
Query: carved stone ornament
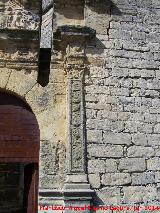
75, 66
15, 16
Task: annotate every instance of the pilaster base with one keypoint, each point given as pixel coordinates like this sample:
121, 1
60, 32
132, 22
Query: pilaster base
77, 194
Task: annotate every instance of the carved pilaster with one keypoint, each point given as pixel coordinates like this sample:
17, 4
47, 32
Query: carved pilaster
75, 68
72, 41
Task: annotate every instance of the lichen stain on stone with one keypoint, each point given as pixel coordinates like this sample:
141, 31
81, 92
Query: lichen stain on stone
43, 99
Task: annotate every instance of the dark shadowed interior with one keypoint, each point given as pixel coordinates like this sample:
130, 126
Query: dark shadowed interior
19, 156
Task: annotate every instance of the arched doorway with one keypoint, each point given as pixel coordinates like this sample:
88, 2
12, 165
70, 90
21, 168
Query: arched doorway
19, 156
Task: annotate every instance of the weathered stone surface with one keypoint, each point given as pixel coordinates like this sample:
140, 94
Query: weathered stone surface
98, 22
111, 165
94, 180
121, 91
116, 179
140, 139
94, 136
105, 151
50, 126
157, 128
119, 138
41, 98
21, 82
157, 152
157, 177
16, 16
139, 194
154, 139
109, 195
47, 154
153, 164
96, 166
130, 164
4, 76
52, 162
136, 151
71, 13
48, 181
143, 178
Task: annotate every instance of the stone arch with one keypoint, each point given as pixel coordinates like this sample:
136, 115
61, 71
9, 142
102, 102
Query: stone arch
49, 107
19, 153
23, 84
18, 121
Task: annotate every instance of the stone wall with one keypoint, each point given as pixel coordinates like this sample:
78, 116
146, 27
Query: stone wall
19, 67
121, 69
121, 95
122, 102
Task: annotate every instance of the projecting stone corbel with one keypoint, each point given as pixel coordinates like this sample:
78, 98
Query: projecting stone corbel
72, 40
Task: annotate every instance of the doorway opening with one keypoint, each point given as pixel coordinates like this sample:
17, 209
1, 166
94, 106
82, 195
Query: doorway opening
19, 156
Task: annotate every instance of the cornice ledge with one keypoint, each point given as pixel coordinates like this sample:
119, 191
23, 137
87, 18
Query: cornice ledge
76, 31
77, 193
19, 34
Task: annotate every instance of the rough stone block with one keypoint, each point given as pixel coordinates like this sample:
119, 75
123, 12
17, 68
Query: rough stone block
145, 128
157, 152
153, 139
143, 178
119, 91
151, 118
98, 21
157, 128
139, 194
116, 179
94, 136
103, 114
131, 126
138, 151
21, 82
153, 164
96, 166
116, 72
98, 106
48, 181
4, 76
157, 177
115, 151
124, 116
94, 180
111, 165
40, 98
139, 139
109, 195
132, 164
117, 138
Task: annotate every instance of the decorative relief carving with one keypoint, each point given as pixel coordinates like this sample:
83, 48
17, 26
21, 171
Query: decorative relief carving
24, 55
4, 55
15, 16
18, 54
76, 127
74, 61
75, 67
70, 41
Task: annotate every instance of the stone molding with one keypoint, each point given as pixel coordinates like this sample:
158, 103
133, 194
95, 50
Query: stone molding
16, 34
70, 43
74, 66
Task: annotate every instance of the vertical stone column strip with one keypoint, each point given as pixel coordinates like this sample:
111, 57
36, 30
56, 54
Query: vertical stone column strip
75, 68
72, 41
